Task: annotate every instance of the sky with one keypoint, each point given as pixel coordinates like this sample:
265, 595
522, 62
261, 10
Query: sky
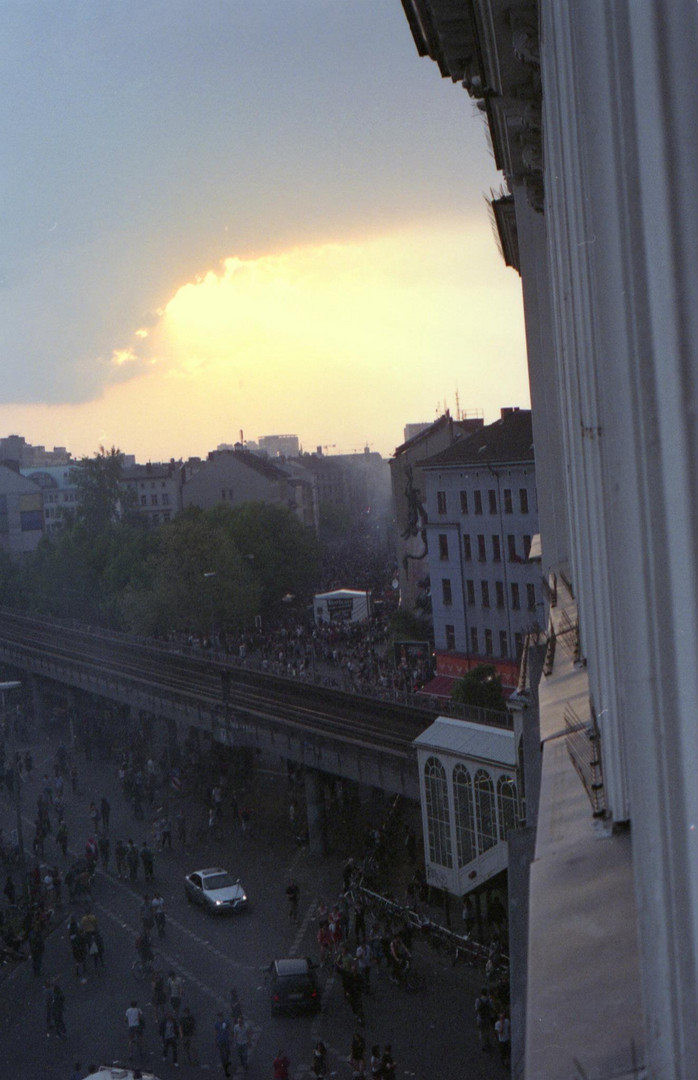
223, 217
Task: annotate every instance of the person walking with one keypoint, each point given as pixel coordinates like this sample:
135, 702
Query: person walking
135, 1021
358, 1056
503, 1032
484, 1018
158, 906
281, 1066
58, 1009
62, 838
376, 1063
169, 1033
241, 1037
158, 996
104, 849
120, 857
388, 1066
132, 861
222, 1030
175, 985
293, 894
147, 859
187, 1026
319, 1065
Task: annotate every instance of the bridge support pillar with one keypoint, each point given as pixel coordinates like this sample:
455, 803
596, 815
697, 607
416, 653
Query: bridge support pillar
37, 701
315, 801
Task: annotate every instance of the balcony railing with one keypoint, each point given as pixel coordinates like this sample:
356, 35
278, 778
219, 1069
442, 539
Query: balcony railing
584, 748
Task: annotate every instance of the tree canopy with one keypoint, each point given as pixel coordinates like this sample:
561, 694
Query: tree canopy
481, 686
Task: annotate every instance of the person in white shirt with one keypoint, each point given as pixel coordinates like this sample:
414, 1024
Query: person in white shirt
136, 1022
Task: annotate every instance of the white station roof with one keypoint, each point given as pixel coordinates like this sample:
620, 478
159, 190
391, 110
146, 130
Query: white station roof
342, 594
466, 739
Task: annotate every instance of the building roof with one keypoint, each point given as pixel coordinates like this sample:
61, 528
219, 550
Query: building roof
258, 464
508, 439
467, 739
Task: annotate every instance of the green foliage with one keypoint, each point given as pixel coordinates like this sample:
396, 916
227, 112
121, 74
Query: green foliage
100, 496
481, 686
200, 581
284, 553
205, 569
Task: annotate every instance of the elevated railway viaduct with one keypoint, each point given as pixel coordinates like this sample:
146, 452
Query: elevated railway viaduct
362, 739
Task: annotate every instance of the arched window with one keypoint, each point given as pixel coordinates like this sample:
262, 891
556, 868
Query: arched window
485, 810
466, 843
438, 824
506, 797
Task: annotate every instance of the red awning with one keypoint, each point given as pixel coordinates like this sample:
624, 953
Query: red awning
440, 686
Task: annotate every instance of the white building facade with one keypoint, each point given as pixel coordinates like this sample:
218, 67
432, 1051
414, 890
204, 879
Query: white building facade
592, 111
481, 503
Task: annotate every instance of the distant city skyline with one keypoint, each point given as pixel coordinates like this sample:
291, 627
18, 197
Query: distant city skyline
223, 219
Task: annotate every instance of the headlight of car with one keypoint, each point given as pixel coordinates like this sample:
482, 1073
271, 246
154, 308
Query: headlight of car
218, 902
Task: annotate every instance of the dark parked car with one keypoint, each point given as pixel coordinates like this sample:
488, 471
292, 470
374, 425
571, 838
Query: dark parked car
294, 987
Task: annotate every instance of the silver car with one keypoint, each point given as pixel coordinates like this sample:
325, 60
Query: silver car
216, 890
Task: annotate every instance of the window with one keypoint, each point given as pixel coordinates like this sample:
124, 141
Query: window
31, 520
527, 546
153, 500
446, 593
478, 502
503, 643
492, 500
511, 548
518, 642
144, 500
438, 824
496, 548
166, 515
488, 642
466, 844
506, 798
467, 548
474, 644
481, 549
470, 590
485, 810
531, 597
464, 502
443, 546
441, 502
523, 500
485, 591
499, 593
508, 506
450, 637
515, 599
165, 499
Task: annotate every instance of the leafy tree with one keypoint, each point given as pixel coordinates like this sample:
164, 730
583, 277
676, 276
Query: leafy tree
481, 686
101, 498
199, 581
284, 553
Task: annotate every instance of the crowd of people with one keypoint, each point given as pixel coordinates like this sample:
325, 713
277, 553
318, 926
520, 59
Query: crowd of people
354, 940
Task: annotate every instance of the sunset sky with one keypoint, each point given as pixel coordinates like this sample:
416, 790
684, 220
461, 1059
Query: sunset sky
223, 217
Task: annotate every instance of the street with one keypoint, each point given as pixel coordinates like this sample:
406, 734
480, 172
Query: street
432, 1032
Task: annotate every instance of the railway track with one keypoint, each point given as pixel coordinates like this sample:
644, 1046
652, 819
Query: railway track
262, 697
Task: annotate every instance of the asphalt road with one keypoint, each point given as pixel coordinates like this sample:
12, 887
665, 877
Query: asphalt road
432, 1032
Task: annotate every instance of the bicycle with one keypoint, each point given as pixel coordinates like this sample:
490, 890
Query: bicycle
143, 969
